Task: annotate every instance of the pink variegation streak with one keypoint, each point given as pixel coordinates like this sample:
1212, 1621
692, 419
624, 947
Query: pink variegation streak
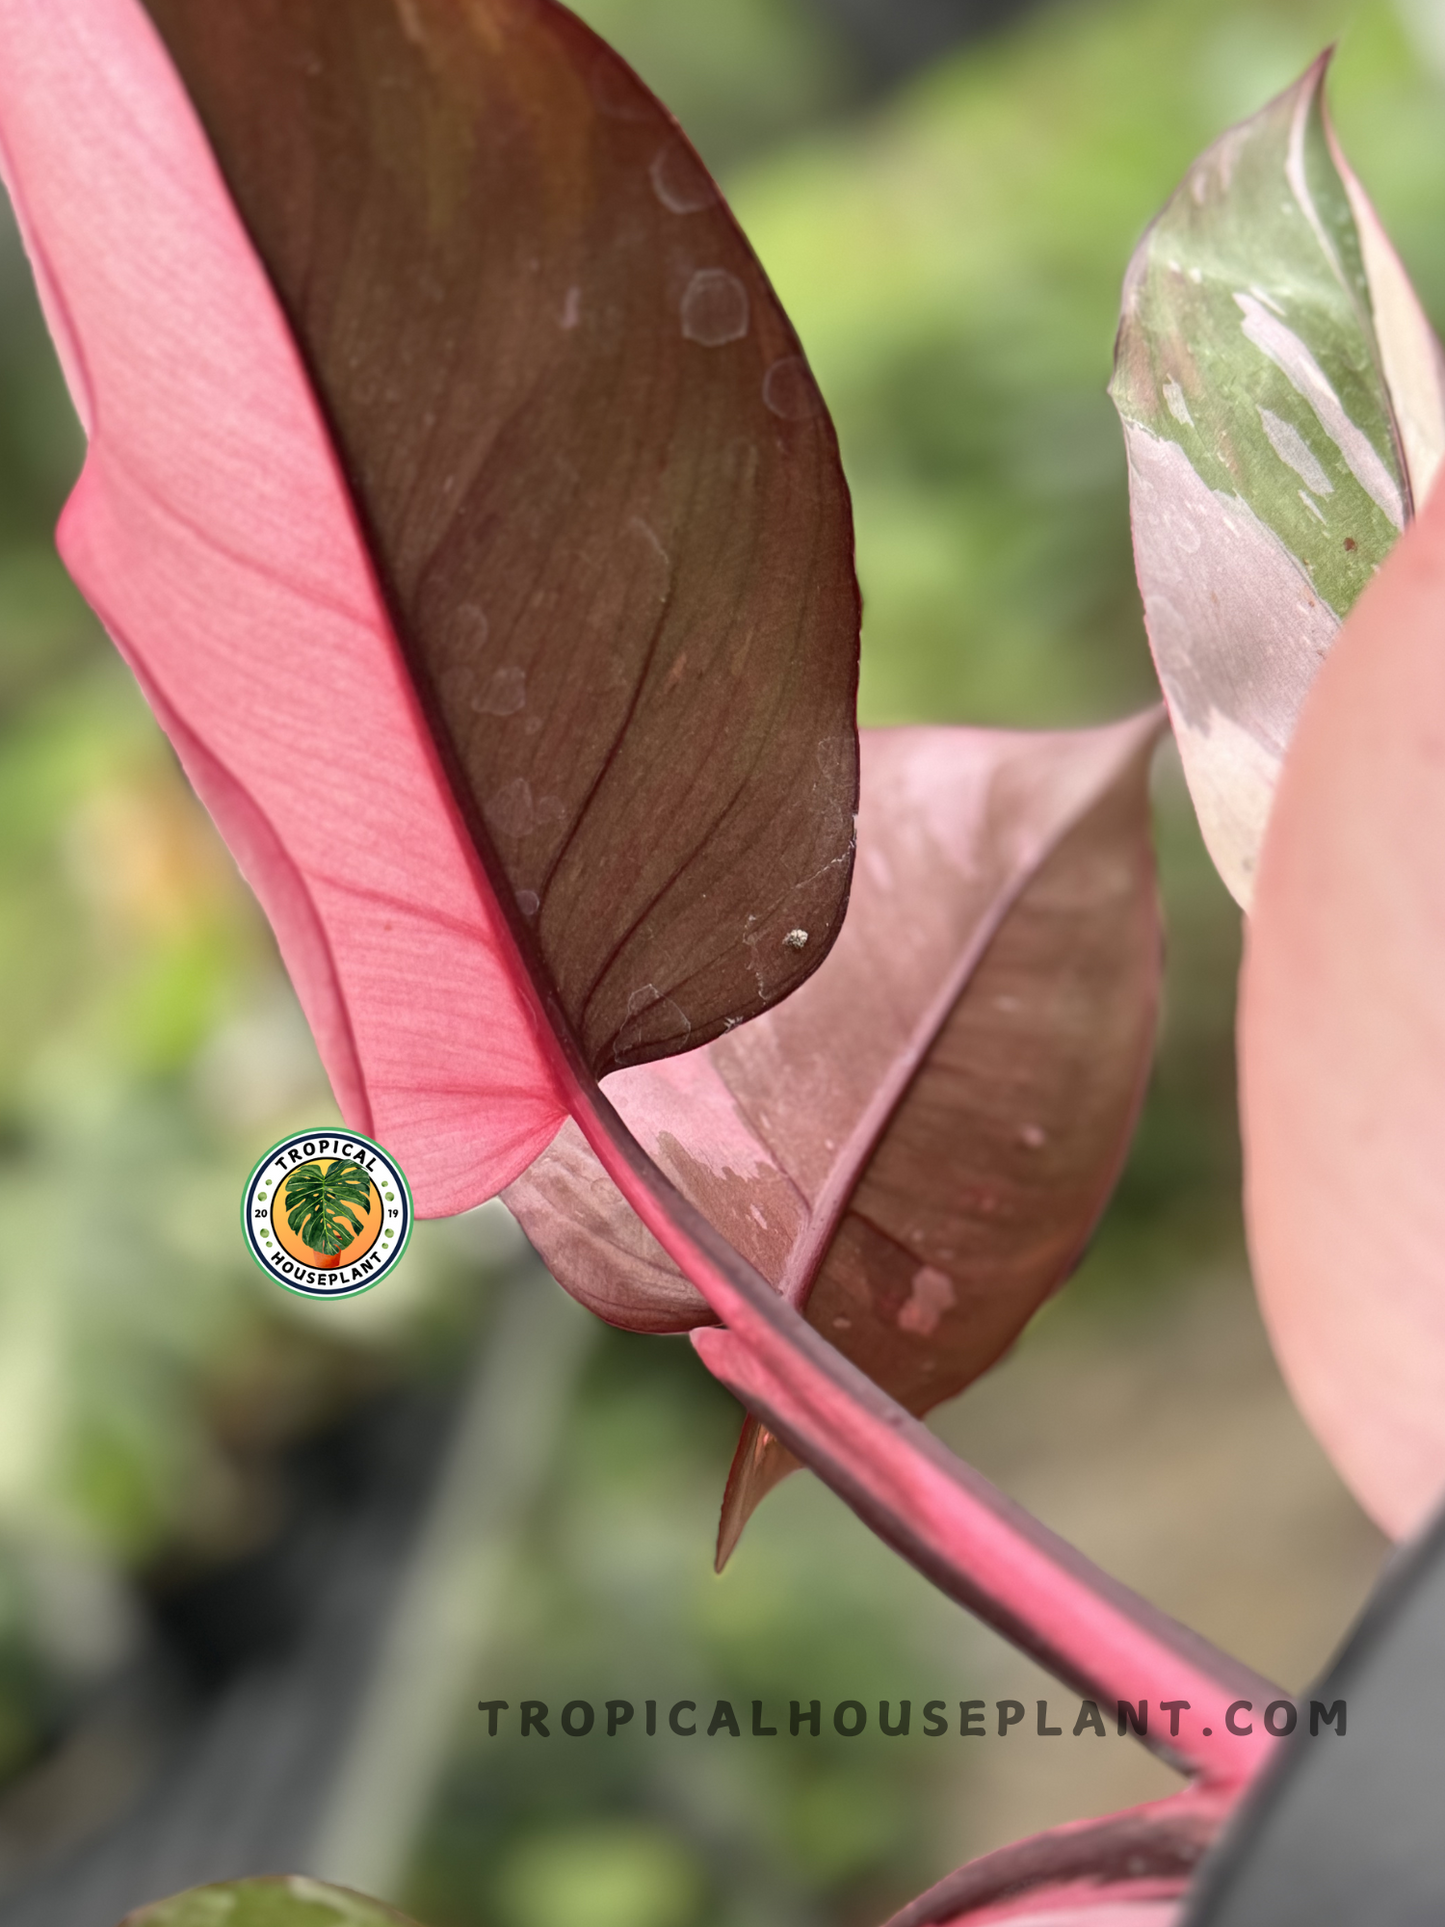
212, 531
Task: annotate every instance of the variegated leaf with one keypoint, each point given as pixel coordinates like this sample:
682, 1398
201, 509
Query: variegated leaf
1282, 402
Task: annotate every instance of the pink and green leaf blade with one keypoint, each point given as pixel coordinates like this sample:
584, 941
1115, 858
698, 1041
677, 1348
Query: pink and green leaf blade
1281, 396
1130, 1869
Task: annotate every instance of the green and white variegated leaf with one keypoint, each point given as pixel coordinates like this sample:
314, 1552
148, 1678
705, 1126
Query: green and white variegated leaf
288, 1900
1284, 410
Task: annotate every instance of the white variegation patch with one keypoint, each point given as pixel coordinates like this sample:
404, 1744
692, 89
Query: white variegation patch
1294, 360
1238, 634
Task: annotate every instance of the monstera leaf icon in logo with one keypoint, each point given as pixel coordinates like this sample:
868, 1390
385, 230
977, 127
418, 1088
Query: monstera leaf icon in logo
321, 1205
327, 1213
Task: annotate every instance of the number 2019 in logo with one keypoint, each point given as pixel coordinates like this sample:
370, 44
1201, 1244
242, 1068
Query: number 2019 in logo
327, 1213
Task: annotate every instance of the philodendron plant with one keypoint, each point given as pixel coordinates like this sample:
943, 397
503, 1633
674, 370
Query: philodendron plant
464, 503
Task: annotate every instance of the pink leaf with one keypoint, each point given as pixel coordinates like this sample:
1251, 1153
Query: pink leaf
490, 838
1342, 1045
214, 534
1131, 1869
915, 1146
600, 487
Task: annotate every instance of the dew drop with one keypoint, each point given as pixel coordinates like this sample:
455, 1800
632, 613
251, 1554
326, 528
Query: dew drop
680, 181
528, 902
504, 695
511, 811
469, 627
714, 308
1034, 1136
789, 390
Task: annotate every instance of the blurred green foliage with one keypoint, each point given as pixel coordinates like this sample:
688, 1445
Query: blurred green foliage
739, 76
270, 1903
614, 1597
952, 260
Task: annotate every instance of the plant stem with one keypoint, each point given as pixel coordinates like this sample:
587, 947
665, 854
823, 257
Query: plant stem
1096, 1635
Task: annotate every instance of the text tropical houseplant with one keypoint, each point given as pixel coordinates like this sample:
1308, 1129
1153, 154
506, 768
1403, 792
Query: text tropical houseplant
463, 501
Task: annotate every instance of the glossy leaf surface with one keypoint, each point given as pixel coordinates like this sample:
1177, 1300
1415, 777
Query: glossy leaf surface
1342, 1046
916, 1146
1282, 405
289, 1901
602, 491
217, 535
1127, 1870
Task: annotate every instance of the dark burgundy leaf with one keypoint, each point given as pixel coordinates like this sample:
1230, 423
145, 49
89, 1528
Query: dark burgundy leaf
602, 493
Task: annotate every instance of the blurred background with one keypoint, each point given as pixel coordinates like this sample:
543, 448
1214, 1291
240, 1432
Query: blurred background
260, 1559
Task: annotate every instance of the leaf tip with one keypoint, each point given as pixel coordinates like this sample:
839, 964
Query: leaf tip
760, 1463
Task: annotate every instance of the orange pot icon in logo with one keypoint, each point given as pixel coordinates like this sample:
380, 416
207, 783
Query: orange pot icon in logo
326, 1213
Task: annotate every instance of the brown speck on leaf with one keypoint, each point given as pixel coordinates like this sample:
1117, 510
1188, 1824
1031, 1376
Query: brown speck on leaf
1350, 542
